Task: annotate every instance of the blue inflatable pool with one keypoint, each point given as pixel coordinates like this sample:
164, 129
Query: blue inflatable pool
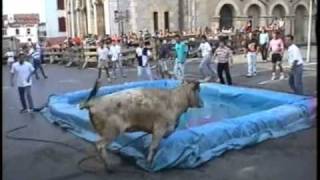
232, 118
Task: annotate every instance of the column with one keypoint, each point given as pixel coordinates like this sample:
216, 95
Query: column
89, 16
133, 16
95, 29
107, 17
72, 19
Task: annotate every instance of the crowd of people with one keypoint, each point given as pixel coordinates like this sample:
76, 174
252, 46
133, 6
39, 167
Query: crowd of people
217, 54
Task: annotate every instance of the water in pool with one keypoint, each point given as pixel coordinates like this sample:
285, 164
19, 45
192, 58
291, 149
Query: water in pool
215, 109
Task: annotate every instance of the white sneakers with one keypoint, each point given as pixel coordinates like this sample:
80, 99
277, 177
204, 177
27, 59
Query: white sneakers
280, 78
273, 76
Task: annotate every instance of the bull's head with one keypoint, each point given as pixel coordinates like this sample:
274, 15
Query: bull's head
193, 88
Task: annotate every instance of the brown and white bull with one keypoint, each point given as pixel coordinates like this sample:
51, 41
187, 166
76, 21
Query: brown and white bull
154, 111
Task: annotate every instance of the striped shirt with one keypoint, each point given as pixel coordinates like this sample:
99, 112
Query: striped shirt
223, 55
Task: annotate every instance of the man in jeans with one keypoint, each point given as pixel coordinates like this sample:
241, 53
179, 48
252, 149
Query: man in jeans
23, 71
263, 42
181, 55
205, 65
296, 63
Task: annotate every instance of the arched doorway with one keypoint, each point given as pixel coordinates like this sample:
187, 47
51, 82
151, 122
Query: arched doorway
278, 11
300, 23
254, 13
226, 16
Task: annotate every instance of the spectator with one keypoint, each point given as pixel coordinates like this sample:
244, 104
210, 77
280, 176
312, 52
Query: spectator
103, 52
296, 66
145, 70
164, 56
115, 52
205, 65
36, 57
251, 55
276, 47
263, 42
181, 55
23, 71
10, 55
223, 57
248, 28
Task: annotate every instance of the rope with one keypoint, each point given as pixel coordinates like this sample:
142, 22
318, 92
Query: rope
80, 162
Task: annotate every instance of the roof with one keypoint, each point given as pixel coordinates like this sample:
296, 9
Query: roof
23, 19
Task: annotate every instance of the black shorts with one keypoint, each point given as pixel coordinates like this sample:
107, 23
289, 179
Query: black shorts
276, 57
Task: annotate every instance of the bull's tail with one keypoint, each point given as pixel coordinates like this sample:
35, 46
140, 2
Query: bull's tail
85, 104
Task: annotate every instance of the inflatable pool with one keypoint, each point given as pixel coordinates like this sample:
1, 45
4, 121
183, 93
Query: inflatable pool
232, 118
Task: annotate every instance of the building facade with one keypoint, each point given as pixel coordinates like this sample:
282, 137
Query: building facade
55, 18
21, 26
116, 16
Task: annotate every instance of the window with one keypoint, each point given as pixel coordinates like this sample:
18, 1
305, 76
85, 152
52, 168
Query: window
62, 24
60, 4
155, 21
166, 21
28, 31
4, 31
17, 32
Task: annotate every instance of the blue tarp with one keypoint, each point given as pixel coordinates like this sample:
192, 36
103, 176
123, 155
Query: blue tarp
232, 118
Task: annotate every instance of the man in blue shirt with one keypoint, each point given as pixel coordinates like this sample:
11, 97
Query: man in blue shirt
181, 50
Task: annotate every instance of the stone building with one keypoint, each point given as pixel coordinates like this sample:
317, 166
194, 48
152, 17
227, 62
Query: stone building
117, 16
24, 27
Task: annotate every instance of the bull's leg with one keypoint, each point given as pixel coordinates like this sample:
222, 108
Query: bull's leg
110, 159
157, 135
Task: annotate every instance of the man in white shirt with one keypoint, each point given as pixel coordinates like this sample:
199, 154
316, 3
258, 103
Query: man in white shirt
205, 65
296, 63
10, 55
115, 53
23, 71
103, 53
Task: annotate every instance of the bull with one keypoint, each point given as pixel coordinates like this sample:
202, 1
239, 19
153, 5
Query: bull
155, 111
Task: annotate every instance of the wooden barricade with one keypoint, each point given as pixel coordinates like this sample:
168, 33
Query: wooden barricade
90, 55
54, 54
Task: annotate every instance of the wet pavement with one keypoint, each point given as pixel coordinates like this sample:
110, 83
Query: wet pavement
292, 157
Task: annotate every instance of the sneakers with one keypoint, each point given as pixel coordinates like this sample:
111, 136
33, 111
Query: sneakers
109, 80
23, 110
27, 110
282, 76
273, 76
248, 75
